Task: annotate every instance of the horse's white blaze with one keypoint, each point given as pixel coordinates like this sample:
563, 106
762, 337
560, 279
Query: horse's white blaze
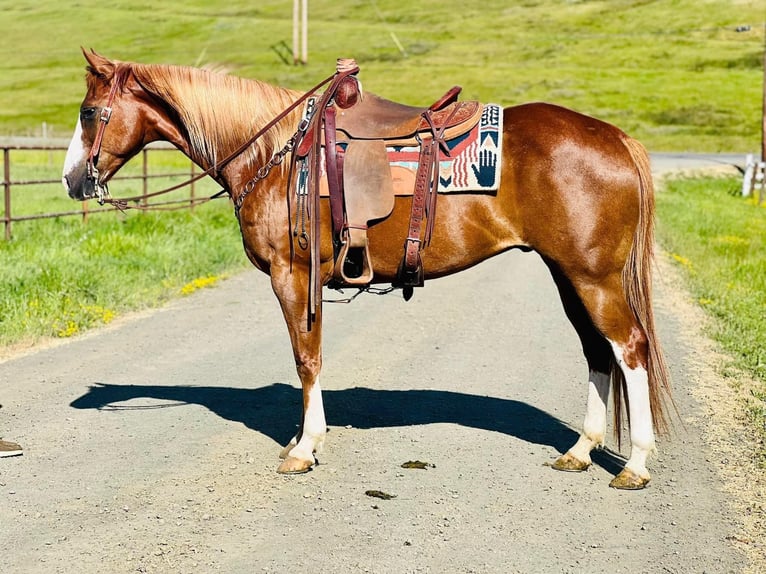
641, 429
314, 426
594, 426
75, 154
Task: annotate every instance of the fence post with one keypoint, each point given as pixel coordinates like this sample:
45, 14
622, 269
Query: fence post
191, 188
7, 191
145, 177
747, 176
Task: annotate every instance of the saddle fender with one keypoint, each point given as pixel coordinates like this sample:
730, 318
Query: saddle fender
369, 196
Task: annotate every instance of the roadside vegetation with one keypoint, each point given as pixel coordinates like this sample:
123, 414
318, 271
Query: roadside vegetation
61, 277
718, 239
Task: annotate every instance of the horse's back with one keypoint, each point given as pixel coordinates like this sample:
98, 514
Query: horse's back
560, 134
559, 118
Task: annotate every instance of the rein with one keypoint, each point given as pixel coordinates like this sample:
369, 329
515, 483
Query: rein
102, 192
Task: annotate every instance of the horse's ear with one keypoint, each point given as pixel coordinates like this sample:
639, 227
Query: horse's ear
98, 65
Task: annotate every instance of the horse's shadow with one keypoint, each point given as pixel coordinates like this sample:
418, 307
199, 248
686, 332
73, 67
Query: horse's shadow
264, 409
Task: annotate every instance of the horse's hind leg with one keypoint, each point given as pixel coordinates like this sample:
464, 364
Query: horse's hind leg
632, 361
598, 355
614, 322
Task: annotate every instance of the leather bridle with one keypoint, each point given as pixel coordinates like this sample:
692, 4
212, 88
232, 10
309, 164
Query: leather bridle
120, 77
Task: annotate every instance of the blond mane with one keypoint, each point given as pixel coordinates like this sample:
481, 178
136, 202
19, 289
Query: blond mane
220, 112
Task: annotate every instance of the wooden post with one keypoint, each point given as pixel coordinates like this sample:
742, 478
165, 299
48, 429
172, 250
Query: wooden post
145, 179
305, 33
191, 188
296, 30
300, 31
748, 176
7, 191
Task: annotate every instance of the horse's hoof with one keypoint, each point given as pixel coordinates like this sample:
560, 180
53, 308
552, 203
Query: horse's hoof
292, 465
286, 451
629, 480
568, 463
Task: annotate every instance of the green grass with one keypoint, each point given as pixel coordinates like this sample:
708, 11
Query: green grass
719, 240
673, 73
61, 277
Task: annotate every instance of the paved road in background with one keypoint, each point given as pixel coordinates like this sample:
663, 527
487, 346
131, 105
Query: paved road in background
151, 445
664, 163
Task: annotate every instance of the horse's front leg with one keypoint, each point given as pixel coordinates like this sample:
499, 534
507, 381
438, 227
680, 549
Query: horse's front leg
291, 288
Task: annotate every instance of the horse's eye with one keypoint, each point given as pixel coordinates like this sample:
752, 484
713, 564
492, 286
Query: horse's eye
87, 113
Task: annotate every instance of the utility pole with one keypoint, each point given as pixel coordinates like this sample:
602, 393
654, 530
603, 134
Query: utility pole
300, 31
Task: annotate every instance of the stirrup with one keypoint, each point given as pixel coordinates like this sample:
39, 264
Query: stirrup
353, 264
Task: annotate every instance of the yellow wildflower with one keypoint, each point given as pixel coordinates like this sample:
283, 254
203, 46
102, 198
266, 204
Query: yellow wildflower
199, 283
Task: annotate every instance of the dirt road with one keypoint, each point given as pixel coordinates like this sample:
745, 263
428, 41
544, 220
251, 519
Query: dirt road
151, 445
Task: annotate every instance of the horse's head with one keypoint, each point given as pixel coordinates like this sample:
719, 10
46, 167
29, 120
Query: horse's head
206, 115
116, 120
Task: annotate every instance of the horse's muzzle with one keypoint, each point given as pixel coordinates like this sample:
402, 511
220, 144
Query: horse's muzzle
79, 188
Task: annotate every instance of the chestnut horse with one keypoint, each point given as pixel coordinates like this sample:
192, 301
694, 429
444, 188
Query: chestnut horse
574, 189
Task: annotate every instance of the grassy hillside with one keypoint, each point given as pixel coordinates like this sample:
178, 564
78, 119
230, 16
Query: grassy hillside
674, 73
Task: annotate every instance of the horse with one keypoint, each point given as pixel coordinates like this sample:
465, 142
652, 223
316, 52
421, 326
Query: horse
576, 190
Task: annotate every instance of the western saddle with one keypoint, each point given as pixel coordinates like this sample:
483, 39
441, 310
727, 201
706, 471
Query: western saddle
354, 129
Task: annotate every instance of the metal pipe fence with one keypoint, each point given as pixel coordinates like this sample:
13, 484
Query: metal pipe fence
11, 184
